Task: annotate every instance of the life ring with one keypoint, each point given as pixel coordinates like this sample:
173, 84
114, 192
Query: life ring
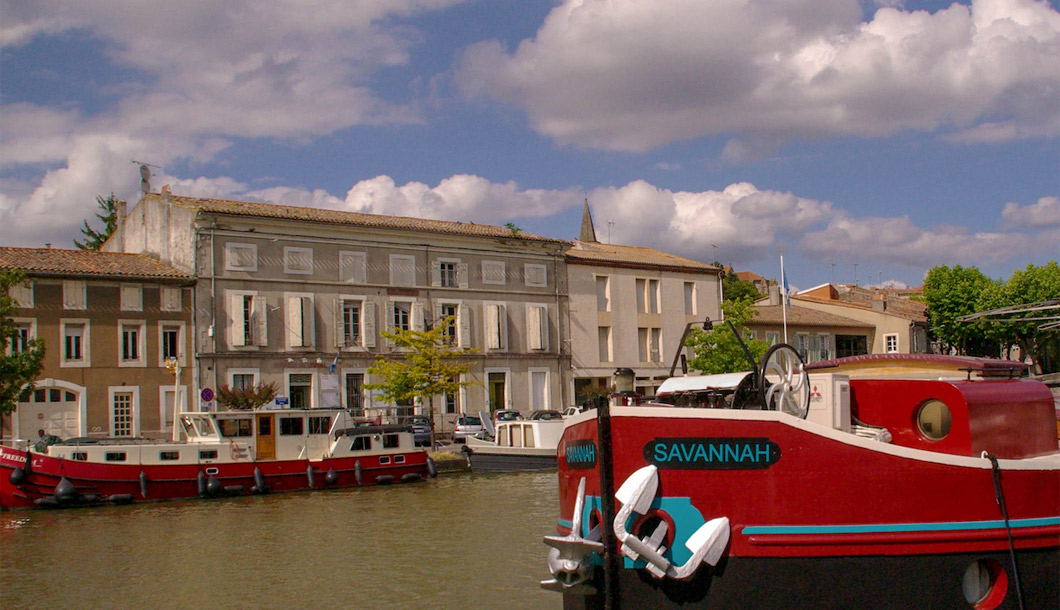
236, 452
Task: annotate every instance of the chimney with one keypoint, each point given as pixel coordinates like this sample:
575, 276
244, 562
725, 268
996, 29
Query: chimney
774, 293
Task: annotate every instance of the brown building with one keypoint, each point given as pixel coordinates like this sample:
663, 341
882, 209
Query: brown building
109, 323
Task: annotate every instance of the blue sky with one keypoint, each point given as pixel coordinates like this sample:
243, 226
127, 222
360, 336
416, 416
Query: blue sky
891, 136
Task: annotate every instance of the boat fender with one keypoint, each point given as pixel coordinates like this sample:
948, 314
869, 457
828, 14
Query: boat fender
309, 476
120, 498
358, 472
384, 479
331, 477
202, 483
65, 490
432, 468
17, 476
259, 482
47, 502
410, 477
143, 484
213, 486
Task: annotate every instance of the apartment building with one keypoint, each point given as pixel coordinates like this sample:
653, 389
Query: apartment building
110, 322
299, 296
629, 309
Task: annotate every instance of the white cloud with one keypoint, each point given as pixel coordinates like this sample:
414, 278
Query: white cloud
637, 75
1041, 215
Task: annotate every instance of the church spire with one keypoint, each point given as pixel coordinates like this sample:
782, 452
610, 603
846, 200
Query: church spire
588, 233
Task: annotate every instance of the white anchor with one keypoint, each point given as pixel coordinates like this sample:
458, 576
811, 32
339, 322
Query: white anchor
568, 557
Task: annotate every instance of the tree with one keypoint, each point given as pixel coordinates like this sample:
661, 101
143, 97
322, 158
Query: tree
94, 239
718, 350
246, 399
428, 366
20, 361
736, 289
950, 294
1026, 286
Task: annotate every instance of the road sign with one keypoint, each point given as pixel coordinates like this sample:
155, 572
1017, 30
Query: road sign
282, 400
207, 394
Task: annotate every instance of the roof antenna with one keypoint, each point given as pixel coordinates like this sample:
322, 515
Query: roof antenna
145, 176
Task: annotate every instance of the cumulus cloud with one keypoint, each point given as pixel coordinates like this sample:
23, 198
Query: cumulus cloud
1041, 215
637, 75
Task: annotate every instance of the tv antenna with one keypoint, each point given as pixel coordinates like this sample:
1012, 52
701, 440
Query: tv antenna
145, 176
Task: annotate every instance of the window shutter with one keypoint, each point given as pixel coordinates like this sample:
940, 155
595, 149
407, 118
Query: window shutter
492, 327
461, 275
537, 327
368, 322
416, 312
340, 324
463, 321
236, 322
308, 322
294, 321
259, 310
436, 273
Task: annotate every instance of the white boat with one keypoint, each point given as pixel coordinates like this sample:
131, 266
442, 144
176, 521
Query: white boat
517, 445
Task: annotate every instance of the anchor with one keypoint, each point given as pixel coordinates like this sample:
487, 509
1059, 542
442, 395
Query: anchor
568, 559
707, 543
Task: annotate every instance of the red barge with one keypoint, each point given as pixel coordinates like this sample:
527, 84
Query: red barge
223, 453
884, 482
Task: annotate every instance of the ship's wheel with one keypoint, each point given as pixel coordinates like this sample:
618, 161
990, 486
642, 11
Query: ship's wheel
784, 382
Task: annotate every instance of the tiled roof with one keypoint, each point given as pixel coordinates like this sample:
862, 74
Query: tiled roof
801, 316
57, 262
902, 308
594, 253
288, 212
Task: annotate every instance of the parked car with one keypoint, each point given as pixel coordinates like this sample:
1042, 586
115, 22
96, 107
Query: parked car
571, 411
466, 425
506, 415
546, 414
421, 429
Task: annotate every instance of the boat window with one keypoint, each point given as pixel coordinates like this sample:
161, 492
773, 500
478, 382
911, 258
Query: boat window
361, 443
168, 455
502, 436
114, 456
528, 436
80, 456
384, 459
934, 419
399, 459
291, 426
319, 425
517, 436
208, 454
202, 426
235, 427
390, 441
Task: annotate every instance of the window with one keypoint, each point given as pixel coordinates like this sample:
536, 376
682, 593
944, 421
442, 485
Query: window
390, 441
298, 261
300, 390
207, 454
24, 333
535, 275
291, 426
353, 267
603, 293
384, 459
449, 273
354, 323
132, 298
131, 337
360, 443
168, 456
171, 339
449, 335
80, 456
772, 338
233, 428
493, 272
75, 343
891, 343
74, 294
171, 299
122, 413
319, 425
399, 316
248, 323
301, 327
934, 419
604, 333
114, 456
402, 270
496, 326
242, 379
690, 298
22, 294
647, 296
648, 344
537, 327
351, 323
241, 257
354, 393
452, 404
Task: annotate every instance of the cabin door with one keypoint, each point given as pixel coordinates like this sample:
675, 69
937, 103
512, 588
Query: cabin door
266, 447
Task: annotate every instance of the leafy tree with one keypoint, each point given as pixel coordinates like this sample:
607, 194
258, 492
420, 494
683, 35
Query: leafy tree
718, 350
18, 369
1031, 285
427, 366
736, 289
950, 294
246, 399
94, 239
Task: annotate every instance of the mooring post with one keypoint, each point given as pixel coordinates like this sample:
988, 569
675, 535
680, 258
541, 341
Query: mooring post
607, 508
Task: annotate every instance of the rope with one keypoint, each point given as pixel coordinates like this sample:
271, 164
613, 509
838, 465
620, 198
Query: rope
999, 495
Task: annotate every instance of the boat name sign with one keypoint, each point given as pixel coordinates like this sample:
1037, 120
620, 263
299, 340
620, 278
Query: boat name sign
690, 453
580, 454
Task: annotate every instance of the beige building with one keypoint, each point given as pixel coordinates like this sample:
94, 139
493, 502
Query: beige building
299, 296
109, 323
629, 309
816, 335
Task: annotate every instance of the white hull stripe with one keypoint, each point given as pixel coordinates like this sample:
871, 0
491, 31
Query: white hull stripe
882, 528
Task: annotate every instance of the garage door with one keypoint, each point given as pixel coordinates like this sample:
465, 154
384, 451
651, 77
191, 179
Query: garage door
53, 409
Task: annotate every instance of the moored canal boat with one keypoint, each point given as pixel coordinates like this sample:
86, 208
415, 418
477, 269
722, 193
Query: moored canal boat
516, 445
864, 484
215, 454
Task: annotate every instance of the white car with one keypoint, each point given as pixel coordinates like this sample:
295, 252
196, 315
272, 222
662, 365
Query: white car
467, 425
571, 411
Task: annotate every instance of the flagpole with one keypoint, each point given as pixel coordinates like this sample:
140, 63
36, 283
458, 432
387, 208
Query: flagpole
784, 299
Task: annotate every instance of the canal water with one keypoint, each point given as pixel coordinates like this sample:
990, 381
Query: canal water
457, 541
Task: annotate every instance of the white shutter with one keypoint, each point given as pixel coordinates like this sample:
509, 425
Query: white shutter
259, 310
461, 275
236, 322
340, 325
492, 327
308, 322
368, 324
537, 327
416, 311
294, 322
502, 326
463, 321
436, 273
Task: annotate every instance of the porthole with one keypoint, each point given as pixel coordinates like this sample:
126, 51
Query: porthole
934, 419
985, 584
